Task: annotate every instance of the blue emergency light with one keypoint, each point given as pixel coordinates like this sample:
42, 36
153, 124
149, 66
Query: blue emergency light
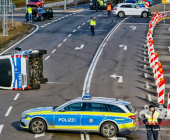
87, 96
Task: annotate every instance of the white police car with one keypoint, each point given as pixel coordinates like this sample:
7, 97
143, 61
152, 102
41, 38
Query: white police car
22, 69
96, 114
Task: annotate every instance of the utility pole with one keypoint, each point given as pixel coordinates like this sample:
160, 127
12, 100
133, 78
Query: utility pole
64, 4
5, 18
26, 5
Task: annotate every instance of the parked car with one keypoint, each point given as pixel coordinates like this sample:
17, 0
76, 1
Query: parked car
22, 70
41, 14
36, 3
130, 9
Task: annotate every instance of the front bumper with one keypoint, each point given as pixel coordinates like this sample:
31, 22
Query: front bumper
134, 128
24, 123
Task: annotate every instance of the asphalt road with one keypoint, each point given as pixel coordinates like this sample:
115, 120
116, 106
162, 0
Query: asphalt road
66, 68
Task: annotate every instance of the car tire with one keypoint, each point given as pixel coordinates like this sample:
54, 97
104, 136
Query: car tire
44, 80
121, 14
42, 52
42, 18
40, 124
108, 127
34, 55
36, 86
144, 14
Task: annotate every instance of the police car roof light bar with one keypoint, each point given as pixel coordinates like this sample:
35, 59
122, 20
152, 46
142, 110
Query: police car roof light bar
87, 96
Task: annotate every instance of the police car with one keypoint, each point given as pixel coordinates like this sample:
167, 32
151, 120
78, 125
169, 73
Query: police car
22, 69
94, 114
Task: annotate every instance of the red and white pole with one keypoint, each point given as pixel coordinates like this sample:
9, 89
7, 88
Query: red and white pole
159, 75
156, 69
146, 4
168, 108
165, 14
161, 91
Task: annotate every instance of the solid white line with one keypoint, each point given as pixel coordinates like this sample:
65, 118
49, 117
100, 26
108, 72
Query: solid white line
21, 39
149, 97
69, 35
83, 23
88, 21
9, 109
87, 137
59, 18
74, 31
1, 127
16, 97
47, 57
82, 136
59, 45
53, 51
48, 23
42, 26
65, 39
87, 82
79, 27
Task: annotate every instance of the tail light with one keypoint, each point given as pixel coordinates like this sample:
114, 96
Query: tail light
37, 14
17, 89
115, 8
18, 56
28, 87
132, 117
26, 57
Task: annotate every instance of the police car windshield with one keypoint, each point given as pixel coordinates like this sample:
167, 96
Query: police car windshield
63, 105
5, 73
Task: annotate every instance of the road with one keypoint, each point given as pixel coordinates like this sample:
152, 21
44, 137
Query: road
66, 69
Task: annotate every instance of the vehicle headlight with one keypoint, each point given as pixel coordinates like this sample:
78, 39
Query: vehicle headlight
25, 116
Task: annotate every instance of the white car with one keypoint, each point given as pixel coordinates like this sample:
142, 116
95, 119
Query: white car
130, 9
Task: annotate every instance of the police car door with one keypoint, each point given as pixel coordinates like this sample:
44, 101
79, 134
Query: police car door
93, 115
69, 117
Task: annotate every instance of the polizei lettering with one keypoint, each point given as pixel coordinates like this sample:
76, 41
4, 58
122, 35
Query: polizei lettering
67, 119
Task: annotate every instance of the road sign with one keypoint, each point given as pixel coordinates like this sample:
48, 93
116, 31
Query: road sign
75, 2
8, 5
165, 1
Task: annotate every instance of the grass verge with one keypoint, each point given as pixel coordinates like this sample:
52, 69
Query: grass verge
18, 31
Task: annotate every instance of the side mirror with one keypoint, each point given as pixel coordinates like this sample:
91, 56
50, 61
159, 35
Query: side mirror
18, 49
62, 110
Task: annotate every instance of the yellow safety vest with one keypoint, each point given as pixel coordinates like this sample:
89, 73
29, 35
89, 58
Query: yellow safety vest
98, 1
101, 3
29, 10
154, 119
92, 22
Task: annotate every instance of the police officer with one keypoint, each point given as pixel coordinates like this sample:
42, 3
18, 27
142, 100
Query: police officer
101, 5
109, 8
152, 124
97, 5
29, 14
92, 25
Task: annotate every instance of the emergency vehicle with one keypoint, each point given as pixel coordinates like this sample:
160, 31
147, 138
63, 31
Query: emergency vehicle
22, 69
36, 3
87, 113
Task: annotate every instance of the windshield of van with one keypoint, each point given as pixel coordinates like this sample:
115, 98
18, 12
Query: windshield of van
5, 73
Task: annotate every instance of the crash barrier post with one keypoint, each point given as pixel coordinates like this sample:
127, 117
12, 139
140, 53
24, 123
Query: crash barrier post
161, 91
165, 14
146, 4
168, 107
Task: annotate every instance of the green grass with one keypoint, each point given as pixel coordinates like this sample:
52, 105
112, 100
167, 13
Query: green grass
21, 3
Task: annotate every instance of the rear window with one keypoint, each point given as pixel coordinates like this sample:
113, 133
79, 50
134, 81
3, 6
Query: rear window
125, 6
116, 109
130, 108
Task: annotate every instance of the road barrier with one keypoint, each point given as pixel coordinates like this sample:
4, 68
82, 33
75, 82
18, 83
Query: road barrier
168, 112
165, 14
161, 91
146, 4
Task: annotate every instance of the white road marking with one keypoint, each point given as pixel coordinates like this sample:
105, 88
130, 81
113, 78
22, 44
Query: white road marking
82, 136
87, 137
69, 35
53, 51
125, 47
1, 127
47, 57
9, 109
66, 16
88, 21
55, 20
133, 27
79, 27
65, 39
59, 18
74, 13
117, 138
83, 23
81, 47
45, 25
70, 14
63, 17
144, 129
16, 97
39, 135
48, 23
42, 26
21, 39
120, 78
59, 45
169, 48
74, 31
149, 97
87, 82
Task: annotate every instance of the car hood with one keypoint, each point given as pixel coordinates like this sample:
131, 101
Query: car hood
38, 110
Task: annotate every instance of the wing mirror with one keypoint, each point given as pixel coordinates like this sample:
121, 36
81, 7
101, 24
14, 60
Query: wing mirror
62, 110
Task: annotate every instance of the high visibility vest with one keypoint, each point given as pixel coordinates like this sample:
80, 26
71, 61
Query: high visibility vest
29, 10
109, 7
101, 3
92, 22
154, 119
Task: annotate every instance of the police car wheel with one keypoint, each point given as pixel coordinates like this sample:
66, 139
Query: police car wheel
37, 126
108, 129
36, 86
42, 18
121, 14
144, 14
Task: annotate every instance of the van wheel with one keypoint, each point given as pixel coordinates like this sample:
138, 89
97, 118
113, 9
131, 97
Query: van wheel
38, 126
36, 86
144, 14
109, 129
121, 14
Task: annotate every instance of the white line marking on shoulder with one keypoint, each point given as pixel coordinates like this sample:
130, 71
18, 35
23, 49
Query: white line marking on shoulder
1, 127
9, 109
74, 31
149, 97
83, 23
59, 45
42, 26
53, 51
69, 35
82, 136
79, 27
87, 137
39, 135
47, 57
16, 97
65, 39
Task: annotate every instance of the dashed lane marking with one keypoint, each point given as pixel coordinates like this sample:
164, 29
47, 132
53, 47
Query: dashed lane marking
149, 97
8, 111
82, 136
1, 127
83, 23
42, 26
79, 27
74, 31
39, 135
65, 39
59, 45
48, 23
47, 57
87, 137
16, 97
88, 21
53, 51
74, 13
69, 35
